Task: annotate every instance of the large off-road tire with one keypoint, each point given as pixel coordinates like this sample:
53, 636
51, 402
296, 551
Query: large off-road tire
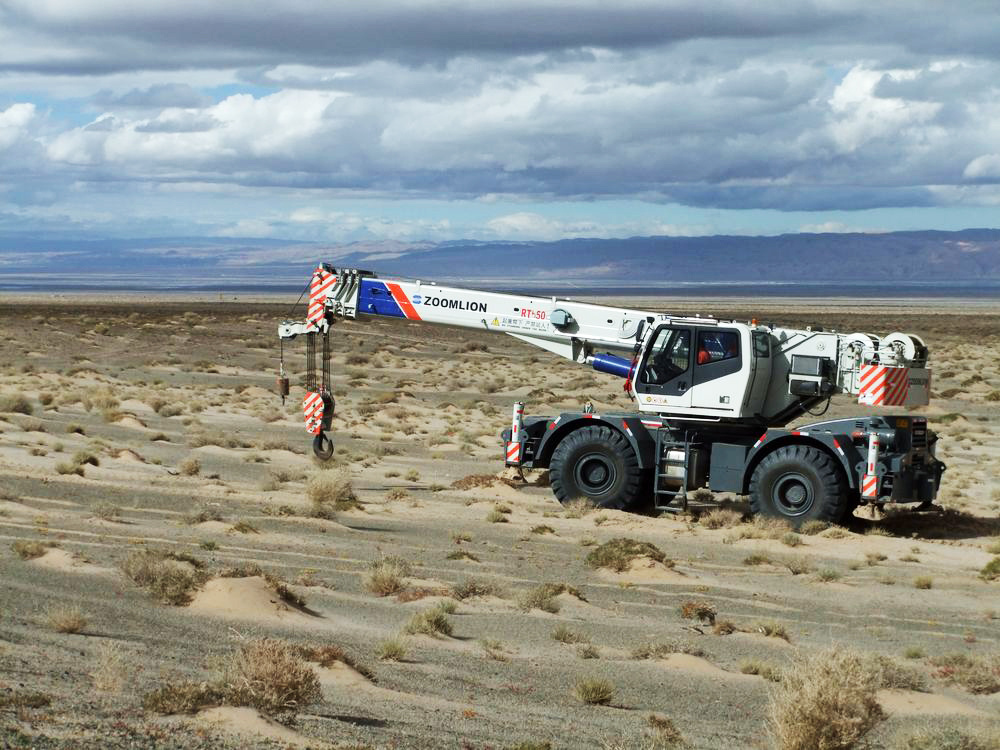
799, 483
596, 463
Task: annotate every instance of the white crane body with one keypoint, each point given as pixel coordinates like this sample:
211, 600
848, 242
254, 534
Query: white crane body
704, 389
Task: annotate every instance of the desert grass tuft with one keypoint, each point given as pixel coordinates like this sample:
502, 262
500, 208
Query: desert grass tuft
170, 577
594, 691
433, 622
113, 668
66, 619
761, 669
332, 490
720, 518
565, 634
393, 649
387, 575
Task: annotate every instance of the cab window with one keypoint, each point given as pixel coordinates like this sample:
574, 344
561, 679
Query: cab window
668, 356
716, 346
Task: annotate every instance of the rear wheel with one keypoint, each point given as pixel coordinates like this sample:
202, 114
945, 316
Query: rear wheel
799, 483
599, 464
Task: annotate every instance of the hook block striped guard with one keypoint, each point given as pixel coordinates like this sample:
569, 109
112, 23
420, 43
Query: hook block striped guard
312, 409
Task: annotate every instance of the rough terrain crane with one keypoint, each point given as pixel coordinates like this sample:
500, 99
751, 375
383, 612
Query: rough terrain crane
713, 398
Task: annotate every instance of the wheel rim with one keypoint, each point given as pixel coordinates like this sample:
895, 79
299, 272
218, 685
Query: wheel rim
595, 474
793, 494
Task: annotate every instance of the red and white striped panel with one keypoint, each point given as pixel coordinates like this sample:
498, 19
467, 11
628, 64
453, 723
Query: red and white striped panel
513, 452
322, 282
884, 386
312, 409
869, 486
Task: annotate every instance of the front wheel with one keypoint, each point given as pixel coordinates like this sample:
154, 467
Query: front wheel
599, 464
799, 483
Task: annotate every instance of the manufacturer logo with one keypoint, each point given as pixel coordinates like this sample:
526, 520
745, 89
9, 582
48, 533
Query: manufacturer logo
450, 304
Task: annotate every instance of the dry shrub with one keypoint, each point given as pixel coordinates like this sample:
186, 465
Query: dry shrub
15, 403
991, 571
813, 527
415, 595
980, 675
761, 669
721, 518
182, 697
935, 737
66, 619
387, 575
827, 701
271, 676
578, 508
619, 553
332, 489
772, 630
170, 577
24, 699
329, 654
898, 676
27, 550
474, 481
190, 466
472, 587
664, 649
703, 611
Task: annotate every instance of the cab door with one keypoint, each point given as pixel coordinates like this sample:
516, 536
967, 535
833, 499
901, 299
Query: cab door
665, 372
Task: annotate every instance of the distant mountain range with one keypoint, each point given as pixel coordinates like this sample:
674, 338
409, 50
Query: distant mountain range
971, 256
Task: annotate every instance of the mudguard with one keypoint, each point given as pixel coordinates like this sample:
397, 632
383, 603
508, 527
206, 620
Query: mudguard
549, 432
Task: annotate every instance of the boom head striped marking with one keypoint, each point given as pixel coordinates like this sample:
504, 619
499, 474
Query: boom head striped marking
322, 282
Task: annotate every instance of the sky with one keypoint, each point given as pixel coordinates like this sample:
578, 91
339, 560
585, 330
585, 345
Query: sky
510, 120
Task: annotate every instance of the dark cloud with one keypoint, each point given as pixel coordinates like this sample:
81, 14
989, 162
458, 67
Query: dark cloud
780, 105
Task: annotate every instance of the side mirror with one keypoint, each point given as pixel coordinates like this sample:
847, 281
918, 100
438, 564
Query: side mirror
638, 331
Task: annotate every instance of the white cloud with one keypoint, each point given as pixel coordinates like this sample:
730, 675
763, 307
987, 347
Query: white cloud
983, 167
14, 123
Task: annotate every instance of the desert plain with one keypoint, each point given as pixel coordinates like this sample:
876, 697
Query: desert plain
177, 570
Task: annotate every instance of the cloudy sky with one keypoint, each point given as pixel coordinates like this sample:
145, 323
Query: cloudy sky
517, 119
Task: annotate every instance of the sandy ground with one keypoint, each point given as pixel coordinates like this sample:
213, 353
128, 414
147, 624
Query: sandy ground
145, 388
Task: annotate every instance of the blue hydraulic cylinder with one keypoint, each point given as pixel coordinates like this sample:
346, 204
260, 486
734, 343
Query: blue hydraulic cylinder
611, 364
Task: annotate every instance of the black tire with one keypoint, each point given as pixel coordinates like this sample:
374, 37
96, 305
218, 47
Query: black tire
323, 447
799, 483
596, 463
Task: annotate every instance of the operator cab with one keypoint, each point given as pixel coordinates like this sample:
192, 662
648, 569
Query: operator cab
702, 368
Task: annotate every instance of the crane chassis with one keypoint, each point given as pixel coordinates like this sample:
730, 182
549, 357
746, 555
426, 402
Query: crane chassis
713, 400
